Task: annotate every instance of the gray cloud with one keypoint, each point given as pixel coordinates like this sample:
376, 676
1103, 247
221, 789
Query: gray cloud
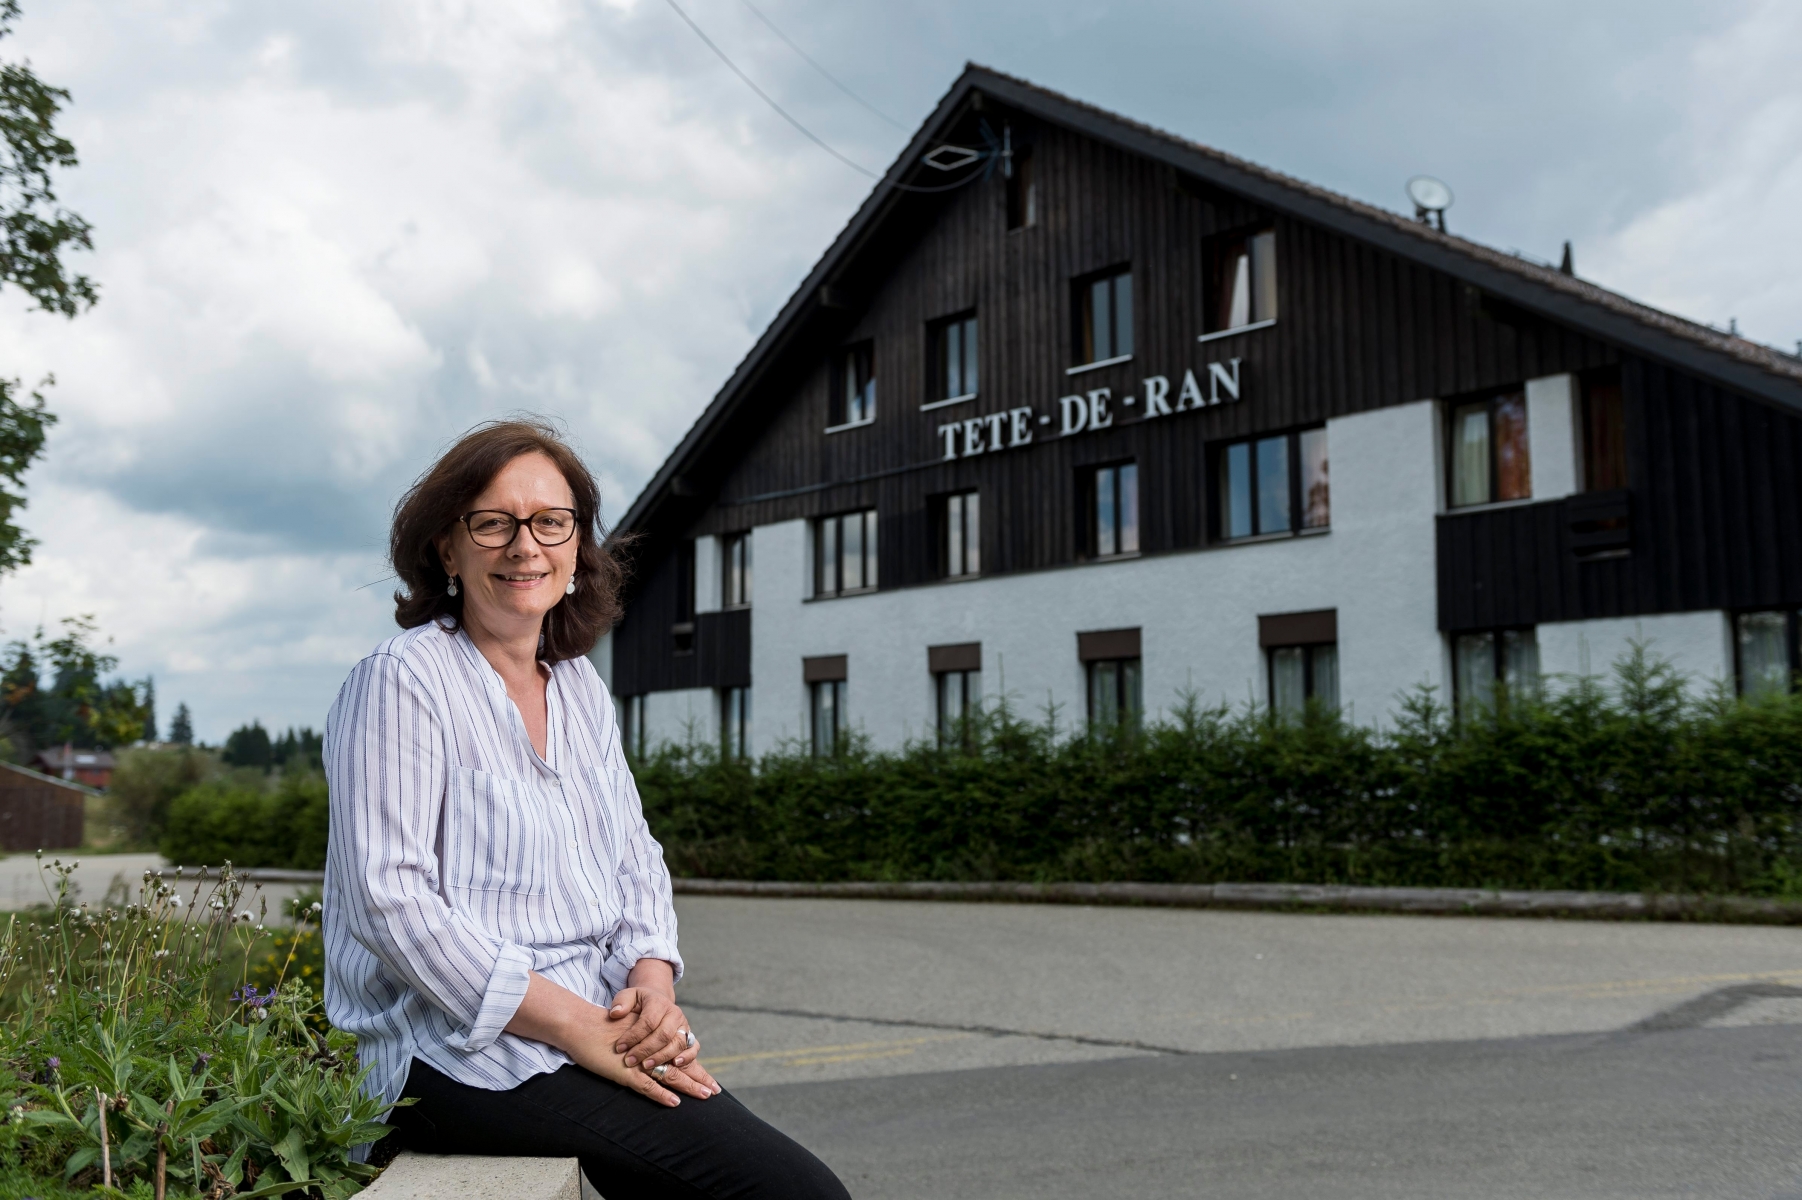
331, 236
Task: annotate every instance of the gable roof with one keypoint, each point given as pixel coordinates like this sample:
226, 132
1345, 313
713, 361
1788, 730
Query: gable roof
1735, 362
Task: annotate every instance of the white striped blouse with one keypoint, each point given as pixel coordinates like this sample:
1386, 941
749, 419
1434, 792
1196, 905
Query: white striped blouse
460, 860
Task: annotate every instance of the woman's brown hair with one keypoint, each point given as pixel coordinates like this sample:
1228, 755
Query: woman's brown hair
445, 492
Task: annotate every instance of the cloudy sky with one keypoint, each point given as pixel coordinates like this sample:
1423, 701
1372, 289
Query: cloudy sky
332, 235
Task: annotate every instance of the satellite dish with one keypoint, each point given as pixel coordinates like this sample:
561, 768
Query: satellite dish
1431, 198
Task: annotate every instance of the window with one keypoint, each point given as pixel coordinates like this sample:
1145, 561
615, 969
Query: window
1488, 454
953, 372
735, 721
959, 697
1115, 697
682, 630
1244, 274
1301, 651
735, 570
1022, 190
853, 387
1114, 524
1104, 306
631, 725
960, 543
1299, 674
1604, 434
1481, 660
1275, 485
1111, 665
844, 553
956, 686
1764, 647
826, 708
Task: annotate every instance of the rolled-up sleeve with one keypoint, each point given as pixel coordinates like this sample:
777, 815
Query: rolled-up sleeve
647, 927
388, 769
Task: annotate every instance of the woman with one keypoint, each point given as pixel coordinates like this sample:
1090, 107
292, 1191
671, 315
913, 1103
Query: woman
499, 932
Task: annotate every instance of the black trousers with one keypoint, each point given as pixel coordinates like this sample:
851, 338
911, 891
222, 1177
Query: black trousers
629, 1146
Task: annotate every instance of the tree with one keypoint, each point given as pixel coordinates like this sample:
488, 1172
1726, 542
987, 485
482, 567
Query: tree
248, 746
79, 706
34, 232
181, 726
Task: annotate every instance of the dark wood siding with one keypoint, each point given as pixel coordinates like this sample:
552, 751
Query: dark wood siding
1715, 519
37, 812
1358, 328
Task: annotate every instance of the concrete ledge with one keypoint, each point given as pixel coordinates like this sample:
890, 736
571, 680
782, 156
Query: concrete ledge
468, 1177
1455, 901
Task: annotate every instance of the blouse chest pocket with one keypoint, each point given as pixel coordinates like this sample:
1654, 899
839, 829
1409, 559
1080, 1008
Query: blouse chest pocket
497, 835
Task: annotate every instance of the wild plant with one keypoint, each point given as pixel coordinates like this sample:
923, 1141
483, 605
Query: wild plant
142, 1058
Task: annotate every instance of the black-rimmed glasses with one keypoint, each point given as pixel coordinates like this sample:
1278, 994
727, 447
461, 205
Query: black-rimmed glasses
549, 526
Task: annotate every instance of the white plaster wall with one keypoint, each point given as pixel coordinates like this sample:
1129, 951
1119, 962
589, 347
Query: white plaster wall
1198, 611
691, 714
1697, 643
1552, 435
708, 592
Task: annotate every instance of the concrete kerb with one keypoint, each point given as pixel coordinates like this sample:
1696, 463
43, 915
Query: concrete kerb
414, 1176
1608, 906
1291, 897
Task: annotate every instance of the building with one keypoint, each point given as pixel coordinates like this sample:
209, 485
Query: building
1098, 417
40, 812
91, 767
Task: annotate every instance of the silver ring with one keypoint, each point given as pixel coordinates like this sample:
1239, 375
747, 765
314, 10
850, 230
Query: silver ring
659, 1071
689, 1038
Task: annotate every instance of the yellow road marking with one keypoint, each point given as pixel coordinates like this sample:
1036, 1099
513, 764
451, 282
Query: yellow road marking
897, 1046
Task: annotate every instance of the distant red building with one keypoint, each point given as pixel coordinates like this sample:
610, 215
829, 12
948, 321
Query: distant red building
40, 812
92, 767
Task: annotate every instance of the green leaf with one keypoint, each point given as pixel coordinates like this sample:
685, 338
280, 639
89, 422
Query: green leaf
292, 1150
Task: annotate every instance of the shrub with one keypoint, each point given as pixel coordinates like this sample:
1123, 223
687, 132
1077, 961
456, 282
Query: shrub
146, 782
249, 823
1630, 787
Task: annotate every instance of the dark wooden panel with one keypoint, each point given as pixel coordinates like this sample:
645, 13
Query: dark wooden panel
1299, 628
38, 813
825, 668
1711, 511
1107, 643
964, 656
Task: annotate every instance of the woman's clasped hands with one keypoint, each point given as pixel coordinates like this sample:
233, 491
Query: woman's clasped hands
652, 1037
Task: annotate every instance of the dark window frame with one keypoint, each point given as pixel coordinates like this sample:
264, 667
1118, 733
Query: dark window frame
1792, 646
1498, 659
1120, 334
970, 681
1129, 690
1218, 251
631, 722
840, 398
869, 552
735, 722
836, 689
735, 546
1492, 399
1298, 499
1309, 682
970, 565
938, 366
1089, 490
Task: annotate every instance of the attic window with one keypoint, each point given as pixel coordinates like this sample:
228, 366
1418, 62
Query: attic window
1244, 281
853, 398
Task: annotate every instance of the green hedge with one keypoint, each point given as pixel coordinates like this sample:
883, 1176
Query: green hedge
248, 824
1634, 786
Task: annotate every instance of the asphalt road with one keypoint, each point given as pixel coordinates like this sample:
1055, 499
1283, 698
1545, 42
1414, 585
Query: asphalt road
945, 1050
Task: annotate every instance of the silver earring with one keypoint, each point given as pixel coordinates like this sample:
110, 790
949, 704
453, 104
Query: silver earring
570, 589
452, 589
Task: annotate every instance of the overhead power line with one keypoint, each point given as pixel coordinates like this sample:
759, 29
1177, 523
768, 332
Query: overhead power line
824, 73
766, 98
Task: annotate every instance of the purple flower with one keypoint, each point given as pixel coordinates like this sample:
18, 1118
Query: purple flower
54, 1063
201, 1062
